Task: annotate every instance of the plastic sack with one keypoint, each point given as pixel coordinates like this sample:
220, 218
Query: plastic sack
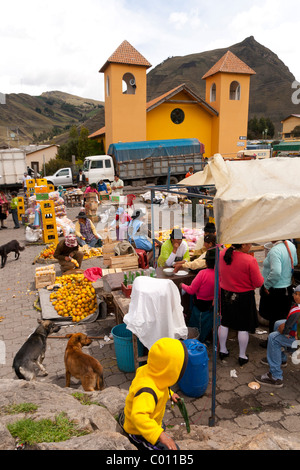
92, 274
32, 235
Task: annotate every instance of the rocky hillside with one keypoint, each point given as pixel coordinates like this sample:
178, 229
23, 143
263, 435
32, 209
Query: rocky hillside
270, 92
52, 113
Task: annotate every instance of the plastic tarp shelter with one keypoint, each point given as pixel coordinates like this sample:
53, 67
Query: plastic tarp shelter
125, 151
256, 201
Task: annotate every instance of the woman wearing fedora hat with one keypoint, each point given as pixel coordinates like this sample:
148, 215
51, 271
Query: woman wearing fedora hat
85, 231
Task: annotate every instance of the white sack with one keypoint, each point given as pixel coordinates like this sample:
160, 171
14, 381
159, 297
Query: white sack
256, 200
155, 311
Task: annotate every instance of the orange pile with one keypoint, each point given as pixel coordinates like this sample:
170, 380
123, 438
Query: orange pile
76, 298
48, 252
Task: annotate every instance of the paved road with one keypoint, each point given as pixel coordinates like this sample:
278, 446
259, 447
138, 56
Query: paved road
236, 407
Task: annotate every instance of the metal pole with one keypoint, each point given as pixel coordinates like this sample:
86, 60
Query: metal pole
152, 226
215, 339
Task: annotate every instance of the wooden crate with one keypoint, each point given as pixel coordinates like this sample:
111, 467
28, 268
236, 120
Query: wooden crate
44, 276
124, 261
108, 251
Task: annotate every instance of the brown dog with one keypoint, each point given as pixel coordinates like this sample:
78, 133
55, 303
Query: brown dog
82, 366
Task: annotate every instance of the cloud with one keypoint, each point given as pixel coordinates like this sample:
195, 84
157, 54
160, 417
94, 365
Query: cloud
63, 44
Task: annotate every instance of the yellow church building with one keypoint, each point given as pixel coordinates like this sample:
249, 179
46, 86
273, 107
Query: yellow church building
219, 122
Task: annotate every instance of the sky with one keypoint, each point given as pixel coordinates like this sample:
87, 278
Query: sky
62, 44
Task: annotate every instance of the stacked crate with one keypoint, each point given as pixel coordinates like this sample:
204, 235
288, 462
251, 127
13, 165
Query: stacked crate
21, 207
48, 222
41, 182
30, 187
45, 276
91, 207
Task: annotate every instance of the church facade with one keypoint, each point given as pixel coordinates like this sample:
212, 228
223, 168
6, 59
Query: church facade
219, 121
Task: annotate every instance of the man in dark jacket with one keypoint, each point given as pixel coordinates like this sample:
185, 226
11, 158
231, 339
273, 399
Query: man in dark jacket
80, 180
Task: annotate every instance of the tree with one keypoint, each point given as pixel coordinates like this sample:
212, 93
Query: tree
79, 145
83, 143
260, 128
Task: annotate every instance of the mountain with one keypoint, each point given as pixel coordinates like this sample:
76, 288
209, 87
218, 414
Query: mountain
270, 88
53, 113
50, 114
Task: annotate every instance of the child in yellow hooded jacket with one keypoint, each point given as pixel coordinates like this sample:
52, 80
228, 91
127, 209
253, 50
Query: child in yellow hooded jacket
149, 392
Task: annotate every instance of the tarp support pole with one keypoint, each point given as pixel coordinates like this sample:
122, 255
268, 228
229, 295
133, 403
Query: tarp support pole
152, 226
211, 421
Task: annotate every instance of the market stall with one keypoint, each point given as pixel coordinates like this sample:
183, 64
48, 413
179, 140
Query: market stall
256, 201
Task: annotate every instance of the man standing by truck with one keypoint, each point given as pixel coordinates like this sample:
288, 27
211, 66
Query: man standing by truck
117, 186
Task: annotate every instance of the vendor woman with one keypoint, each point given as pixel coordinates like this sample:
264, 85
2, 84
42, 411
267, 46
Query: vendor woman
3, 209
174, 249
67, 250
85, 231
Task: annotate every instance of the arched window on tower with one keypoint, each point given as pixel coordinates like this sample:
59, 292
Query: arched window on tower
235, 91
128, 84
213, 92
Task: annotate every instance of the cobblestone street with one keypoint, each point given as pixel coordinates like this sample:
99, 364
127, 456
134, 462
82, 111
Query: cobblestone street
237, 405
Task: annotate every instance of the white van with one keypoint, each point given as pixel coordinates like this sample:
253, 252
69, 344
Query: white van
98, 167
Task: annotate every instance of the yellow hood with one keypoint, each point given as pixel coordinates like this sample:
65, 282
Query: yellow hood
167, 360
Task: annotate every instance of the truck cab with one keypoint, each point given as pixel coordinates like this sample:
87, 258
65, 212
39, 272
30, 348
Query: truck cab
62, 177
98, 167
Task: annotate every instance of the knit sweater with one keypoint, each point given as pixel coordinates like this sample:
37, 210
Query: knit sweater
203, 285
242, 275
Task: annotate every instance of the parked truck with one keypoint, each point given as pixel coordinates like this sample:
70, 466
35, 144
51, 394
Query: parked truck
62, 177
146, 162
12, 168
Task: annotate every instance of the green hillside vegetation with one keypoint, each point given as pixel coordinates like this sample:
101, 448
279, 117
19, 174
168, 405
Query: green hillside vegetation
39, 119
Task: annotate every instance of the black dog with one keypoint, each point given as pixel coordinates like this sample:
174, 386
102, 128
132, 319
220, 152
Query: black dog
32, 353
15, 246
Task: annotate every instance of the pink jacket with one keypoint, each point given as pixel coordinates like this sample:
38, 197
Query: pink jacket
202, 285
242, 275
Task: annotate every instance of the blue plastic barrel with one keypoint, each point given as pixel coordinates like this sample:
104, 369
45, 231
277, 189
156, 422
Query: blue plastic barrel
195, 379
123, 347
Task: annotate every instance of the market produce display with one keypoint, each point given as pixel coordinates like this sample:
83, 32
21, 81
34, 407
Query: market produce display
48, 252
75, 298
91, 252
191, 235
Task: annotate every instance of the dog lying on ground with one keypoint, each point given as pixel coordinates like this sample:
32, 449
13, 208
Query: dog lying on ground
32, 353
13, 245
82, 366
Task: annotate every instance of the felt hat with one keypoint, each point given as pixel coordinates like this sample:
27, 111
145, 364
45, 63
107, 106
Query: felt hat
176, 234
81, 215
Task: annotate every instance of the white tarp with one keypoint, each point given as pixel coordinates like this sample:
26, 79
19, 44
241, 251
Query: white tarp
256, 200
155, 311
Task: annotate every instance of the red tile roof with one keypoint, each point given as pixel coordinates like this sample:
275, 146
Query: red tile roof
126, 54
97, 133
229, 63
